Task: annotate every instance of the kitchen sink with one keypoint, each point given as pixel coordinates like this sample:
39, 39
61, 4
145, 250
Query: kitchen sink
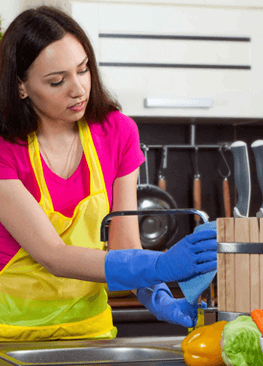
94, 355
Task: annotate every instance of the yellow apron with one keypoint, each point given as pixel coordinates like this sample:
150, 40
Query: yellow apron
36, 305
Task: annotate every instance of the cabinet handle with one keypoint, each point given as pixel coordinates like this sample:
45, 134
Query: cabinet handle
178, 103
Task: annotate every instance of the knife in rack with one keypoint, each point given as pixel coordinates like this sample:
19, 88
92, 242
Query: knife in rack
257, 148
242, 178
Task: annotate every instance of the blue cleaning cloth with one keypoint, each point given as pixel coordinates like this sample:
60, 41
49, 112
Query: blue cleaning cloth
194, 287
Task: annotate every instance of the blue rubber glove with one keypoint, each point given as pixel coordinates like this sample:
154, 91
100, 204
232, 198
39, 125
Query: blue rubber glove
207, 226
134, 268
160, 302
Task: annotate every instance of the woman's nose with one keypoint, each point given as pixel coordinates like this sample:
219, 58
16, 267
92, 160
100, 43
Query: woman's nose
77, 88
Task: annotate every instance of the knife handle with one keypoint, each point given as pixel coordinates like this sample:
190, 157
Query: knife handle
197, 198
162, 182
162, 172
226, 195
257, 147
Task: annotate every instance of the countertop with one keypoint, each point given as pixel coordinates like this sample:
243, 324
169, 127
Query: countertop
167, 343
172, 343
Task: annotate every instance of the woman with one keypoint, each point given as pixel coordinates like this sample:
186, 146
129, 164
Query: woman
68, 157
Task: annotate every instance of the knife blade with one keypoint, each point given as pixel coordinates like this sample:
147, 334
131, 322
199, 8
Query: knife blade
242, 178
257, 148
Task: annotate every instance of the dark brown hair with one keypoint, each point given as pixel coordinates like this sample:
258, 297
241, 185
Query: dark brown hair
25, 38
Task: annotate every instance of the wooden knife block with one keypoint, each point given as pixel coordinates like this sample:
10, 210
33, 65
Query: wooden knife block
240, 276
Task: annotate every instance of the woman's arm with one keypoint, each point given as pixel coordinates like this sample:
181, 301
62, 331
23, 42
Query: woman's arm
124, 231
26, 221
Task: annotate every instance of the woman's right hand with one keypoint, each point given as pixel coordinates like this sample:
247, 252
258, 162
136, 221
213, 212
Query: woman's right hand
193, 255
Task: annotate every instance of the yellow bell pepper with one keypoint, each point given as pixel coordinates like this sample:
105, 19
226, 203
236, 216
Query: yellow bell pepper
202, 346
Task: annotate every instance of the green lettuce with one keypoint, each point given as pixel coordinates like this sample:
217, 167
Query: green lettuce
241, 346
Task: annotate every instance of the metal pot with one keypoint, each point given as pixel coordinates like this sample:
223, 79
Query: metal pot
156, 232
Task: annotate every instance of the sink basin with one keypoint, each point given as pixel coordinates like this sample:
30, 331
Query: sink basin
90, 356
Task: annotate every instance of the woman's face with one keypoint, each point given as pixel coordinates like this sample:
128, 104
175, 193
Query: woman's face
59, 81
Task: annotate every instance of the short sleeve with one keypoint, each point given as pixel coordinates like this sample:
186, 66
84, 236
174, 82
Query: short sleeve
8, 169
131, 155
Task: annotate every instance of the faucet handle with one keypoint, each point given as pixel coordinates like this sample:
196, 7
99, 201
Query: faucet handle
104, 228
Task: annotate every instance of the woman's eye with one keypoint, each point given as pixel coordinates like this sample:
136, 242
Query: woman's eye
58, 83
62, 81
84, 71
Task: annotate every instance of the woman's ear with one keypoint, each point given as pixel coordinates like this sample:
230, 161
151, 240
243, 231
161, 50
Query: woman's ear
22, 89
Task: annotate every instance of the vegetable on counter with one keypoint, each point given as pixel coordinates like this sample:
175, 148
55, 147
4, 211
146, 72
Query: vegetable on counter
257, 316
240, 343
202, 346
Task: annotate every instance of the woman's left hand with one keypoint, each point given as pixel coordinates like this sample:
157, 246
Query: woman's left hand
160, 302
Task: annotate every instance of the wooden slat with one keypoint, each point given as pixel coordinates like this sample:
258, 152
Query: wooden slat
221, 267
242, 269
254, 265
261, 265
230, 265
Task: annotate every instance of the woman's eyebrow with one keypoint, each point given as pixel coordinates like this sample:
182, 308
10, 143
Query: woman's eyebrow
64, 72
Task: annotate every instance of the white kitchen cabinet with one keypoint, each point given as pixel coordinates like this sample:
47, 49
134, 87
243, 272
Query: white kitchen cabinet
235, 3
221, 3
140, 57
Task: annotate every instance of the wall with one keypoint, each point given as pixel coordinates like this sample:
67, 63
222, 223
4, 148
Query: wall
8, 11
11, 8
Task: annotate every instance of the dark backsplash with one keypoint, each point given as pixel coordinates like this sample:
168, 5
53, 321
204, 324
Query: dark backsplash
181, 165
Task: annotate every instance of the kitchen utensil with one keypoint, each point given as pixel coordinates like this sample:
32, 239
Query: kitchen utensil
226, 193
242, 178
197, 189
257, 147
162, 171
156, 232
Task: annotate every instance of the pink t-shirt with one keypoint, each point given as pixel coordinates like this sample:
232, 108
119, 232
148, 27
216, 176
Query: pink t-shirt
117, 144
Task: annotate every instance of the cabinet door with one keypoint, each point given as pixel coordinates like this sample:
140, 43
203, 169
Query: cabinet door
221, 3
175, 53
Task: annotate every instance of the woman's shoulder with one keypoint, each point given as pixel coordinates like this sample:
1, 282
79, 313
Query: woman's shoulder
6, 145
115, 123
120, 124
117, 118
10, 151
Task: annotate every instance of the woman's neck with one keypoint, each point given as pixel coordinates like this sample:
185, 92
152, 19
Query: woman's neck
56, 135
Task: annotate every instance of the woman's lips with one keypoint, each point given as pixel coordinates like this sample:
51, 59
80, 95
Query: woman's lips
78, 107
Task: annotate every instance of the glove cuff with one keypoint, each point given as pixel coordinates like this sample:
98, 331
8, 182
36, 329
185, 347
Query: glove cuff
129, 269
155, 289
157, 294
149, 297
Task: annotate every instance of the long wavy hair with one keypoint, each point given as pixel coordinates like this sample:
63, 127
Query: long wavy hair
25, 38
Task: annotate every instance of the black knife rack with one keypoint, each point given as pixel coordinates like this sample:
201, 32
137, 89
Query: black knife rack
192, 144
